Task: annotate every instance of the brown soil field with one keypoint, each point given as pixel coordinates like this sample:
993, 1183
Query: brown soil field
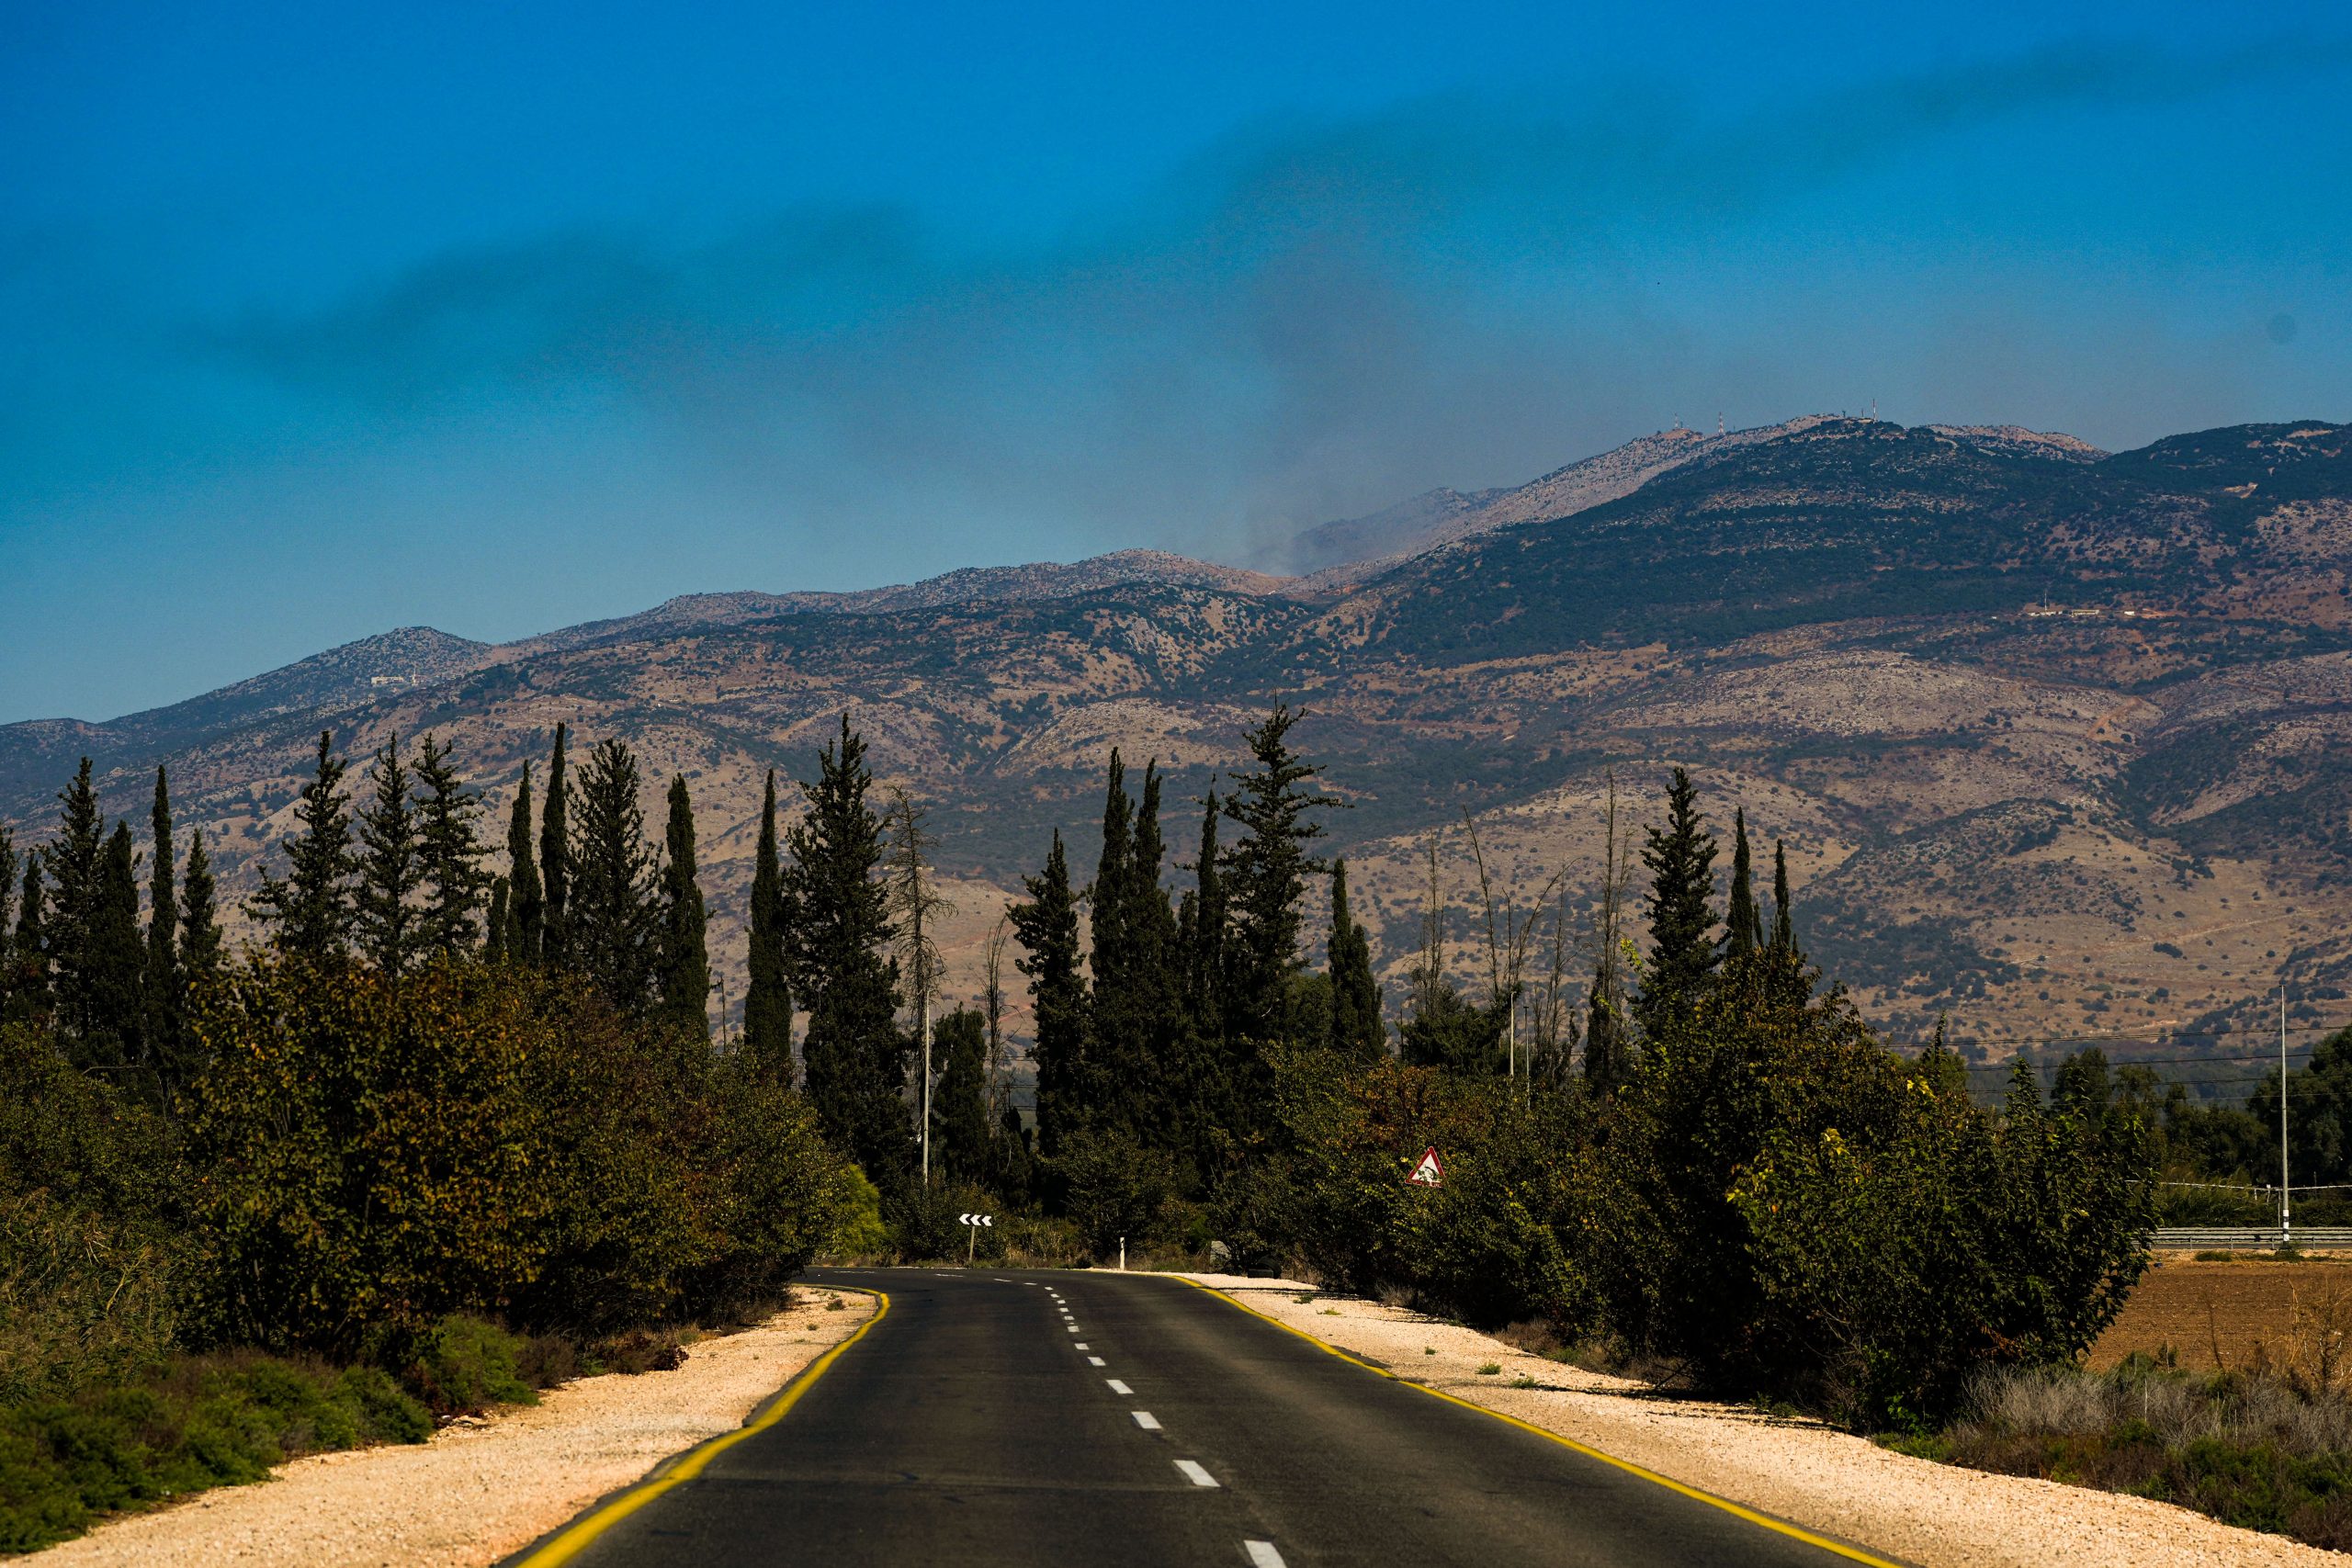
2236, 1315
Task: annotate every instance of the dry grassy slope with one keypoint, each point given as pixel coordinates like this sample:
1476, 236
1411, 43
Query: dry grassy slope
1984, 808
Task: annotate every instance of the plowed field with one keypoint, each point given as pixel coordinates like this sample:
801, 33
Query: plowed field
2237, 1314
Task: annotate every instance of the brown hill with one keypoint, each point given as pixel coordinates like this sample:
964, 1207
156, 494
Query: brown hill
2056, 740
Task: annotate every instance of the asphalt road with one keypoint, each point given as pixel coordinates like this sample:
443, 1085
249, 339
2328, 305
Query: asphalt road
1067, 1418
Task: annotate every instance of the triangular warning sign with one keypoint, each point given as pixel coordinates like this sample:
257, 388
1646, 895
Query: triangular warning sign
1429, 1173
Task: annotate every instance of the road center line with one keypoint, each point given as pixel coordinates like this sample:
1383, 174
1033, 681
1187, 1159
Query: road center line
1116, 1386
1073, 1329
1146, 1419
1084, 1347
1094, 1360
1194, 1473
1262, 1555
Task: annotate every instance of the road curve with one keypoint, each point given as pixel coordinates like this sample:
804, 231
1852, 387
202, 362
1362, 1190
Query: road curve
1063, 1418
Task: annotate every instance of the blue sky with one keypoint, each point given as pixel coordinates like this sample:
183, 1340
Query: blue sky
498, 317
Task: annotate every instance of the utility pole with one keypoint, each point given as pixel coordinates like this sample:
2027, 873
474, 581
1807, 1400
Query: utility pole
2286, 1193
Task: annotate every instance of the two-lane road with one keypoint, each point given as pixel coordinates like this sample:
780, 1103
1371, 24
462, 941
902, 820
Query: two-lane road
1077, 1418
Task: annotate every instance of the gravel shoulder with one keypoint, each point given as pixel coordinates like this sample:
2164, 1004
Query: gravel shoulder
1933, 1515
476, 1493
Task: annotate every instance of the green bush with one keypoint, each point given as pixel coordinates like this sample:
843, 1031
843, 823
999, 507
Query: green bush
1116, 1188
858, 1231
464, 1364
193, 1424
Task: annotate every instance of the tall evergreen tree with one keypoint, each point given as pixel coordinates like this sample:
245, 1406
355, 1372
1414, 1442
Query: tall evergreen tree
1047, 928
115, 962
1680, 857
959, 1106
838, 932
494, 925
199, 915
75, 861
384, 918
1154, 983
1267, 869
1356, 1027
29, 993
1784, 934
1743, 922
768, 1001
162, 979
9, 866
308, 914
1204, 934
613, 913
1118, 1051
685, 959
555, 863
449, 854
525, 905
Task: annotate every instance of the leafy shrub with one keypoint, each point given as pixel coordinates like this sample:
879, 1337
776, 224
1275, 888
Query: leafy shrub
464, 1364
858, 1229
928, 1224
193, 1424
1487, 1245
1116, 1188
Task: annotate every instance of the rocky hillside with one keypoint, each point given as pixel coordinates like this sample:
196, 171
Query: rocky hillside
2056, 739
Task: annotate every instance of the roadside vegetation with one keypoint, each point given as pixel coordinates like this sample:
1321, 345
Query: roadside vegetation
445, 1134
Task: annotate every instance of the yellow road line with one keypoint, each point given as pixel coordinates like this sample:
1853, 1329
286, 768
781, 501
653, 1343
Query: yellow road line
576, 1537
1781, 1527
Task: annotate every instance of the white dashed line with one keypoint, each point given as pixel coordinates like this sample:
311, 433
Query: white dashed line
1116, 1386
1073, 1329
1194, 1473
1096, 1361
1146, 1419
1085, 1347
1262, 1555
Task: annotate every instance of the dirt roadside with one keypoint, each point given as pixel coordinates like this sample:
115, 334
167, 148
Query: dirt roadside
474, 1494
1932, 1514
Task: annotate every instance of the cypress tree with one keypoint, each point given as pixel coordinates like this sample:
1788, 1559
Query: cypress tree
555, 863
613, 915
385, 919
1116, 1058
449, 855
162, 979
75, 861
1355, 996
767, 1002
29, 994
525, 907
1205, 945
494, 932
838, 932
686, 960
115, 961
309, 913
959, 1111
1784, 935
8, 866
1046, 927
1743, 924
199, 915
1153, 986
1680, 857
1268, 869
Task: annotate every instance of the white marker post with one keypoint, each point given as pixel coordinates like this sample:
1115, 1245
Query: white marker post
972, 1237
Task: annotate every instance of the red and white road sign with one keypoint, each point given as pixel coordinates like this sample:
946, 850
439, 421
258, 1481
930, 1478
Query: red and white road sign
1429, 1173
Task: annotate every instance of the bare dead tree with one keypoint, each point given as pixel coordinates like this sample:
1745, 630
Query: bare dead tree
1508, 932
916, 907
1607, 1039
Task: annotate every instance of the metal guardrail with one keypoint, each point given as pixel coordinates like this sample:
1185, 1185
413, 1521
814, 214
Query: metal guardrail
2252, 1239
